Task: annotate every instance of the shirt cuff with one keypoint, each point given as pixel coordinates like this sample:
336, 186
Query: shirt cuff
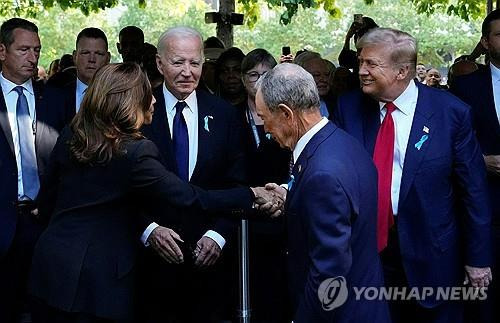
216, 237
285, 186
145, 235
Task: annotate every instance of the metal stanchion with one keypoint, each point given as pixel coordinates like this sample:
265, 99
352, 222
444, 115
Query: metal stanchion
244, 310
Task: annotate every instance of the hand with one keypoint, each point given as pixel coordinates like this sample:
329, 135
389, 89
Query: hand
207, 252
355, 26
492, 163
478, 277
163, 242
270, 199
286, 58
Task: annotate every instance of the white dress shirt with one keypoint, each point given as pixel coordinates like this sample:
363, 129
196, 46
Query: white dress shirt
190, 114
80, 92
406, 103
11, 97
495, 80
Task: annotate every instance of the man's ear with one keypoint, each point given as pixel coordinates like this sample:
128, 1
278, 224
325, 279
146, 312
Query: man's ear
159, 64
119, 48
286, 112
108, 59
403, 72
485, 43
3, 52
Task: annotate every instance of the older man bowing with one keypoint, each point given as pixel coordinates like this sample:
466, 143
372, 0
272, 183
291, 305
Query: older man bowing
331, 204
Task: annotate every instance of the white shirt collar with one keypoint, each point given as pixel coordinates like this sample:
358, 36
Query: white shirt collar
495, 73
8, 85
304, 140
171, 100
403, 101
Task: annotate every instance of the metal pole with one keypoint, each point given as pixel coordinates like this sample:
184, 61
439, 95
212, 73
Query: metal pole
244, 310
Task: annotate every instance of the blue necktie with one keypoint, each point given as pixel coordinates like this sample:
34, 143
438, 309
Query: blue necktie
181, 142
31, 183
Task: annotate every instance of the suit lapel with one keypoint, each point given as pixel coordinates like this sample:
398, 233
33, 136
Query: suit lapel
204, 143
40, 118
490, 113
414, 156
4, 122
371, 123
161, 130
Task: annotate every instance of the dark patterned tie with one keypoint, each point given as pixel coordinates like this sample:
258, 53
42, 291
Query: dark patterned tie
181, 141
31, 183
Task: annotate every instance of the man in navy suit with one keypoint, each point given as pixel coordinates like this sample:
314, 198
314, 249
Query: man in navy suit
90, 54
331, 205
26, 140
200, 139
481, 90
433, 161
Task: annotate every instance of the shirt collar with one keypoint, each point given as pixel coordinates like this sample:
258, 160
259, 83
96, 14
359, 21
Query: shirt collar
8, 85
495, 73
304, 140
171, 100
80, 86
404, 100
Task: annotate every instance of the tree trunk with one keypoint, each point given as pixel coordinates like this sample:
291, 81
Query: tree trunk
225, 28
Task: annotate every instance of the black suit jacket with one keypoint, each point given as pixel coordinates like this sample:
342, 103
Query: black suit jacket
45, 139
84, 261
476, 90
220, 161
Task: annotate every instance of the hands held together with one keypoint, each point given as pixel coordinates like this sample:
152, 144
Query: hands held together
270, 199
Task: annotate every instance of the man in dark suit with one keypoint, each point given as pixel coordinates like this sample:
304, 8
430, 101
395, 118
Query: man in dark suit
90, 54
331, 204
481, 90
26, 140
427, 158
199, 136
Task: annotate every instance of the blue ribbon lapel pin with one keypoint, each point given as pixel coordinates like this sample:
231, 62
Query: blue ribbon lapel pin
206, 123
419, 144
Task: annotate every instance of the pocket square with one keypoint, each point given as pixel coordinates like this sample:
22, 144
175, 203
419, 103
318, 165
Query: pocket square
419, 144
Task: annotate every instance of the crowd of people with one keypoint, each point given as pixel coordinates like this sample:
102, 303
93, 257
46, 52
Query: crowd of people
123, 183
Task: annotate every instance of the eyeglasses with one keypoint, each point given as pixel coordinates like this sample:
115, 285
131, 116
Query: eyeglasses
254, 76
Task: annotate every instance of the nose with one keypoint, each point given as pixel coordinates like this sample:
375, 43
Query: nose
363, 71
92, 57
33, 56
186, 70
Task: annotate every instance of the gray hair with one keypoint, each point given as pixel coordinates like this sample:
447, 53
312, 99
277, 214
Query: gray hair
305, 57
402, 45
289, 84
178, 32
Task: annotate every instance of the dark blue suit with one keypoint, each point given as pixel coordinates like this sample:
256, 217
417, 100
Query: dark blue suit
476, 89
220, 163
18, 233
331, 213
436, 237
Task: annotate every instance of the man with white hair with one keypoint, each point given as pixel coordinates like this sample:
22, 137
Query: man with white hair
331, 204
200, 139
433, 208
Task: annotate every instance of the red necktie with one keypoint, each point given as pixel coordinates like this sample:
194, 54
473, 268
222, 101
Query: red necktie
383, 158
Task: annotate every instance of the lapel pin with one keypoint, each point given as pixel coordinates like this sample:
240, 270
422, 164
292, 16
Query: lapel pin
419, 144
426, 130
268, 136
300, 168
206, 122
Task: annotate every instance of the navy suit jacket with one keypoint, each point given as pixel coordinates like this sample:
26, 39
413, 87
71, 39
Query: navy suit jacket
220, 162
45, 139
61, 98
437, 237
476, 90
331, 214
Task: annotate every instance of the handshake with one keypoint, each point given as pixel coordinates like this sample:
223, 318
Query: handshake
270, 199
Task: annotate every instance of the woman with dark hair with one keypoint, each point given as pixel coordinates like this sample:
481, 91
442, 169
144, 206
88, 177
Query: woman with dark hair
266, 163
228, 72
102, 173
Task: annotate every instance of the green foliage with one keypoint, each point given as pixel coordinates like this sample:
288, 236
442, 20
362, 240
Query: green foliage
32, 8
465, 9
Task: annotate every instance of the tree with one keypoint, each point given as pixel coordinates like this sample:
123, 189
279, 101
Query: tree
466, 9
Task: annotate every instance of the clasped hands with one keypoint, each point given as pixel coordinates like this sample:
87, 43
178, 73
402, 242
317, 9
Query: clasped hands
270, 199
